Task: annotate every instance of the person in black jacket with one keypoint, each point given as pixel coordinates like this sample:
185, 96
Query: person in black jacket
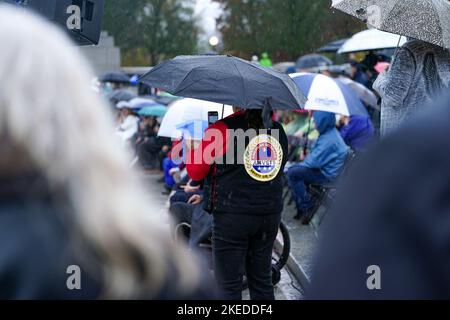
244, 193
390, 233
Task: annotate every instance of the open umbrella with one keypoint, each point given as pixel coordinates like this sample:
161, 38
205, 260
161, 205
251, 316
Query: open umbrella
313, 61
364, 94
121, 95
188, 110
226, 80
156, 111
115, 77
139, 103
372, 39
165, 99
326, 94
426, 20
332, 47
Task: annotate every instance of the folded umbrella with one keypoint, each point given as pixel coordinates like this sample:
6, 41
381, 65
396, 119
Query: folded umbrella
372, 39
226, 80
326, 94
426, 20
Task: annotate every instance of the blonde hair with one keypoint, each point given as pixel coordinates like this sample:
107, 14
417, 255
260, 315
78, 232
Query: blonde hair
48, 110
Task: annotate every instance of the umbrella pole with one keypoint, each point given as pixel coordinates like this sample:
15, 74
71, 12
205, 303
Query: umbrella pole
398, 46
305, 147
223, 110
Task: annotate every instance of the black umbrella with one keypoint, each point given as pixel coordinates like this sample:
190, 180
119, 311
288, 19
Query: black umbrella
227, 80
115, 77
165, 100
312, 61
333, 46
121, 95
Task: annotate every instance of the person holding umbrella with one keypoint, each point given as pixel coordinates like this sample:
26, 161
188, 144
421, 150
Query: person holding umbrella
420, 70
245, 199
242, 158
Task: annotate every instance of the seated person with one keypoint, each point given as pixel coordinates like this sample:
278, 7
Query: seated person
192, 213
171, 164
152, 150
186, 191
145, 131
322, 165
127, 122
357, 132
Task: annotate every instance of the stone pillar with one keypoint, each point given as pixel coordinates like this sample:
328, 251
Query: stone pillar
105, 57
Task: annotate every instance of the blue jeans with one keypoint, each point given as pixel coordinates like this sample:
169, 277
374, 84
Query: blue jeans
299, 177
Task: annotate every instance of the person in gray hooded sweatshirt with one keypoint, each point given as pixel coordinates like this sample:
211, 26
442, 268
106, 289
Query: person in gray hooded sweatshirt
419, 73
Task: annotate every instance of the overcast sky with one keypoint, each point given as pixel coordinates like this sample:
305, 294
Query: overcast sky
208, 11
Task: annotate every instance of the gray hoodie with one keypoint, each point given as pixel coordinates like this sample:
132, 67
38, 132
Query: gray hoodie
417, 76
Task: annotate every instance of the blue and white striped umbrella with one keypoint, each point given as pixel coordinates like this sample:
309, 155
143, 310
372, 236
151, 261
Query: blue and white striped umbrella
327, 94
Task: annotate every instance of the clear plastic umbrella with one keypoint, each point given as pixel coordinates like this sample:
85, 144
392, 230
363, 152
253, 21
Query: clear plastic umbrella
426, 20
373, 39
188, 110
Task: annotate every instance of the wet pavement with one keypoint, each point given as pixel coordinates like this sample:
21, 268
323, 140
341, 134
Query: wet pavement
304, 239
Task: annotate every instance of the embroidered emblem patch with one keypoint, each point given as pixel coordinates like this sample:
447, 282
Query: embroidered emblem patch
263, 158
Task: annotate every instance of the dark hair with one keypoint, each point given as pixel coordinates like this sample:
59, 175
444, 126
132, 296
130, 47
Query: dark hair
254, 118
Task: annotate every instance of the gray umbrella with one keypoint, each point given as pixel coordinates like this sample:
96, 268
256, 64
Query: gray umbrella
121, 95
226, 80
426, 20
332, 47
311, 61
115, 77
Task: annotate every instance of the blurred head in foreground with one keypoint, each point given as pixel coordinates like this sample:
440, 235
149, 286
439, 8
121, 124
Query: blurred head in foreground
67, 182
389, 235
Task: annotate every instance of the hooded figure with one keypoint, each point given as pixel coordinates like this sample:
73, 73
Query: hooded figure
397, 200
330, 150
358, 133
420, 72
322, 165
265, 61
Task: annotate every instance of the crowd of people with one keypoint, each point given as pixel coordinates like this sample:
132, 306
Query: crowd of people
319, 146
69, 197
140, 134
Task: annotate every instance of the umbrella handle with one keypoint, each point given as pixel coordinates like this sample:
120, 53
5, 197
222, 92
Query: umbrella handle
266, 114
305, 147
398, 45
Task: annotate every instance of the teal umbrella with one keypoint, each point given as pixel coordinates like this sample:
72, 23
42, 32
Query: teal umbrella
155, 111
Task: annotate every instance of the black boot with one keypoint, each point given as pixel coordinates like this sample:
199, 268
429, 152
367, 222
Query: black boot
308, 216
299, 215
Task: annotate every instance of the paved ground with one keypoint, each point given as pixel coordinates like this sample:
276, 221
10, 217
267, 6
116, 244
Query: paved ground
288, 288
304, 239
